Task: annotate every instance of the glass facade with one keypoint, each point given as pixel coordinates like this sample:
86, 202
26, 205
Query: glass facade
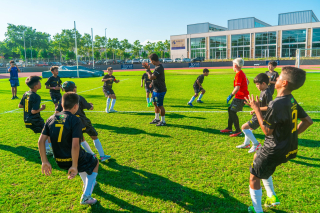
198, 53
218, 47
213, 29
291, 41
240, 46
198, 47
265, 44
316, 42
256, 24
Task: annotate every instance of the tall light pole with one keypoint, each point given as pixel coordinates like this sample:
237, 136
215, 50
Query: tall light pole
105, 35
31, 53
25, 54
92, 47
75, 32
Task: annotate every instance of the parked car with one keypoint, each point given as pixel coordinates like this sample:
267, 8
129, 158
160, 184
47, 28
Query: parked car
120, 61
111, 61
129, 61
135, 61
41, 64
197, 59
177, 60
161, 60
186, 60
167, 60
147, 60
1, 64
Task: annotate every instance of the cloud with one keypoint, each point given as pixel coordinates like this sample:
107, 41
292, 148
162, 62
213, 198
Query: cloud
152, 41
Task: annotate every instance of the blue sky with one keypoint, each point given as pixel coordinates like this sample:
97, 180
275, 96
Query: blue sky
142, 20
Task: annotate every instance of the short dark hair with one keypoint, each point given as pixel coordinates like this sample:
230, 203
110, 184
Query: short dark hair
154, 57
12, 61
69, 99
295, 77
53, 68
262, 77
273, 63
68, 86
33, 80
205, 70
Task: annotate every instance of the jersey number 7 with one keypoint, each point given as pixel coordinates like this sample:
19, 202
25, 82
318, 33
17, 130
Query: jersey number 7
60, 132
294, 120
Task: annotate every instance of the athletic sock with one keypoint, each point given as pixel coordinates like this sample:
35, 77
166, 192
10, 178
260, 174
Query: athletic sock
251, 137
83, 176
148, 100
98, 146
113, 103
256, 196
162, 119
192, 99
86, 147
90, 182
246, 139
268, 185
108, 103
200, 96
157, 116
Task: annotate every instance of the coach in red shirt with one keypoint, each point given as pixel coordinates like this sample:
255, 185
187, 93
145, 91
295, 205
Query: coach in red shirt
240, 91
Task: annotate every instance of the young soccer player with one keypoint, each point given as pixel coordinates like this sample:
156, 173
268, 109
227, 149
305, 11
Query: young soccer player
14, 79
273, 75
54, 84
281, 128
30, 102
159, 88
261, 81
64, 129
70, 86
197, 86
148, 87
240, 91
107, 89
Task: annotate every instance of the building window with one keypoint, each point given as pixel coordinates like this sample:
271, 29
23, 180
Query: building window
265, 44
213, 29
293, 40
198, 47
316, 42
218, 47
265, 51
256, 24
240, 46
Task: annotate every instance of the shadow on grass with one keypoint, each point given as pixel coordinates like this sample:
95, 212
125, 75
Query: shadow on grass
305, 163
169, 115
201, 107
315, 120
127, 130
301, 142
152, 185
208, 130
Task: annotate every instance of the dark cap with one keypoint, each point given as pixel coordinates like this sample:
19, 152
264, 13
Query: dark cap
68, 86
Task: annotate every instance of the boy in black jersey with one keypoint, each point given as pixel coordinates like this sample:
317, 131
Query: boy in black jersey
273, 75
30, 102
107, 89
281, 128
148, 87
54, 84
64, 129
261, 81
197, 86
87, 127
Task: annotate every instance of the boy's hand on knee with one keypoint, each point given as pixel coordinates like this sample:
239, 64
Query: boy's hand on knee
72, 172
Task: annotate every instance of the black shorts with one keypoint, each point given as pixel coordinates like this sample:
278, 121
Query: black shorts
55, 97
254, 123
236, 105
263, 166
148, 89
108, 92
35, 125
197, 89
87, 163
89, 129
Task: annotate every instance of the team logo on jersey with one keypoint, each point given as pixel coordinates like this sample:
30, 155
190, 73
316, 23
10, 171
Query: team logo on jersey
61, 119
292, 100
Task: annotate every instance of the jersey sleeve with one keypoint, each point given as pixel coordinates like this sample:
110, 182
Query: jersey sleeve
45, 130
59, 107
301, 112
268, 98
36, 103
85, 104
21, 101
200, 79
238, 80
76, 128
142, 77
105, 77
48, 82
270, 118
59, 82
157, 72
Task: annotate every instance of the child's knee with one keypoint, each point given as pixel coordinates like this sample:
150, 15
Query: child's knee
245, 126
196, 95
203, 91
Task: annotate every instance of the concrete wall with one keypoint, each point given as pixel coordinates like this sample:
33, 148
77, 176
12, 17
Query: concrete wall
27, 69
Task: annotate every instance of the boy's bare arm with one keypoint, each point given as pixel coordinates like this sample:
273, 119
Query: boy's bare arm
73, 170
304, 124
39, 110
46, 166
20, 106
263, 108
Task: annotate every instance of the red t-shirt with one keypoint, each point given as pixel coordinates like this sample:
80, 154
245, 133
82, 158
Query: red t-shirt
242, 81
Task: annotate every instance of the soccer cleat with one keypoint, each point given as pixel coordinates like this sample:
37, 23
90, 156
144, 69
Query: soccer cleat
226, 130
12, 98
87, 200
190, 104
199, 101
16, 97
155, 121
254, 148
95, 156
49, 152
236, 134
104, 158
112, 110
272, 201
161, 124
150, 104
251, 210
107, 111
243, 146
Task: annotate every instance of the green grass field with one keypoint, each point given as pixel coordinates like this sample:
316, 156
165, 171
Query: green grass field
187, 166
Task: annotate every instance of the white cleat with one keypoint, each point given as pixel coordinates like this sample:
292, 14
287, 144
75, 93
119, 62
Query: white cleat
112, 110
255, 148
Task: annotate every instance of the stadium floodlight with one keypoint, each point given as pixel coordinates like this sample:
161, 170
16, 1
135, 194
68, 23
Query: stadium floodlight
75, 32
105, 35
25, 54
92, 47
